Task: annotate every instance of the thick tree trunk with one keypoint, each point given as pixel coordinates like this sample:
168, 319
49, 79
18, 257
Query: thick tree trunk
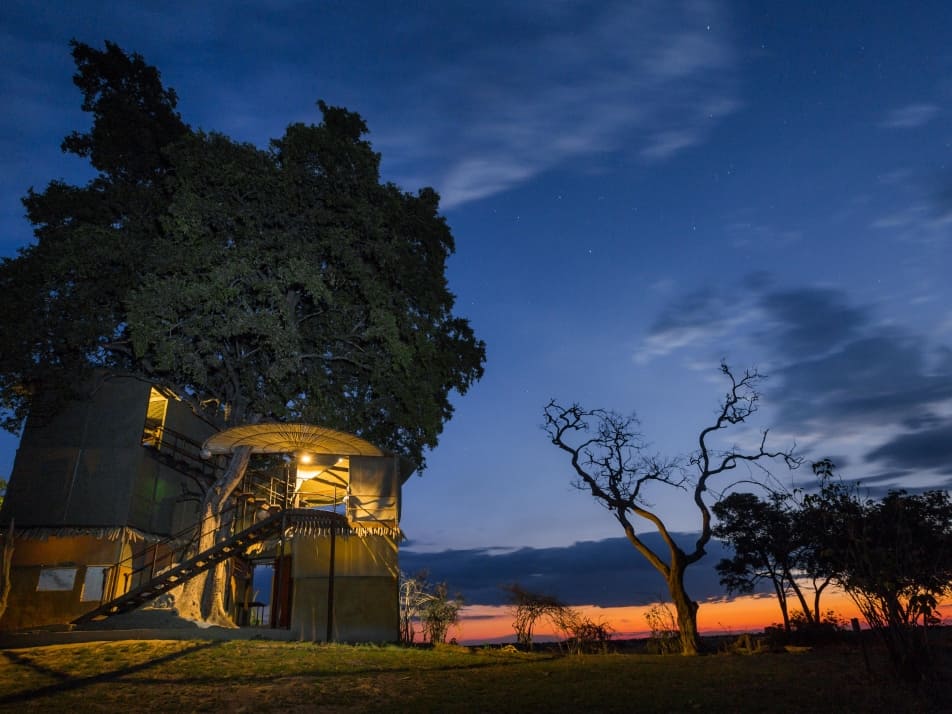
217, 582
686, 609
6, 560
202, 597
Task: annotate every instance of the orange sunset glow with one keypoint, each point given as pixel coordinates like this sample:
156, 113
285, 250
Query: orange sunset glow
751, 613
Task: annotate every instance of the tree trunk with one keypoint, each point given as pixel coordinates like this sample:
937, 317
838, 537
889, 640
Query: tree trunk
782, 599
817, 591
6, 560
686, 609
807, 612
217, 581
202, 597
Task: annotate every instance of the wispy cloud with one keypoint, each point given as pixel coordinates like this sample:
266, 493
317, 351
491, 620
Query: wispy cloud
917, 223
842, 379
910, 116
473, 101
666, 143
648, 78
704, 317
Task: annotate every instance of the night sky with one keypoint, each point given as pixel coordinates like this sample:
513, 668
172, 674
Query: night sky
637, 191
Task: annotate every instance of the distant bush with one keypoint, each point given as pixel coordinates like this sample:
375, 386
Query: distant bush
665, 636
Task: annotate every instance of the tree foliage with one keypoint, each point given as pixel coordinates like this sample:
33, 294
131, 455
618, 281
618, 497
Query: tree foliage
610, 460
528, 608
429, 605
893, 556
64, 297
771, 543
439, 612
580, 633
278, 284
665, 638
286, 283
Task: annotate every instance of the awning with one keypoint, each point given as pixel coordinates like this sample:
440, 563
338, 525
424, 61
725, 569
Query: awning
276, 438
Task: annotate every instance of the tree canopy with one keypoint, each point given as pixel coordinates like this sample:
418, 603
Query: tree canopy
772, 542
892, 556
285, 283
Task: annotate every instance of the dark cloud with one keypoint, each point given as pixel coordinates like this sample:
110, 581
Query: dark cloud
836, 369
843, 371
839, 363
697, 309
880, 484
927, 420
927, 449
812, 322
878, 379
607, 573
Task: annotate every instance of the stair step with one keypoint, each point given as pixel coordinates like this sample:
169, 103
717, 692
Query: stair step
200, 563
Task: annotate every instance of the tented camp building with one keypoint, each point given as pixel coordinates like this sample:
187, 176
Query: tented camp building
103, 509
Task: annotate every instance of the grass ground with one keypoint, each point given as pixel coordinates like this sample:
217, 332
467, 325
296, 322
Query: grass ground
255, 676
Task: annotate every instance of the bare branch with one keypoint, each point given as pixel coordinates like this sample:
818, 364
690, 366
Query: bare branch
610, 459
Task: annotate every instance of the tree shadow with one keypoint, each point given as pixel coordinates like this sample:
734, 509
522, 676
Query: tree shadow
67, 683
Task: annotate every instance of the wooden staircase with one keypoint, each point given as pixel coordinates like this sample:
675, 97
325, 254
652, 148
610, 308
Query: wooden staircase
179, 573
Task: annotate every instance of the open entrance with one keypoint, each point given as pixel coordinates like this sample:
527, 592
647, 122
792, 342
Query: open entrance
262, 590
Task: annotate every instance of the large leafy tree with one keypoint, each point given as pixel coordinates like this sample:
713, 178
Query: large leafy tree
610, 460
322, 291
286, 283
770, 543
64, 296
893, 556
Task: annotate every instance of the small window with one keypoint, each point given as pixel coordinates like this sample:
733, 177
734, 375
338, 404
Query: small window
56, 579
154, 419
94, 583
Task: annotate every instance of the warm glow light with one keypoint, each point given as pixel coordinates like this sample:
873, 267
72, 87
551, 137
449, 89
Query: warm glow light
483, 623
305, 458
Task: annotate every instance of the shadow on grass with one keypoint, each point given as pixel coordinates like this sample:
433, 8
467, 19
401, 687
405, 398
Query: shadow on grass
66, 683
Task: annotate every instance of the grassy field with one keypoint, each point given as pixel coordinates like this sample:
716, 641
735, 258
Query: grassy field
254, 676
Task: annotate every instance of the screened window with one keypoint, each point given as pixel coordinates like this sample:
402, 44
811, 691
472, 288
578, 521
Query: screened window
94, 583
155, 419
56, 579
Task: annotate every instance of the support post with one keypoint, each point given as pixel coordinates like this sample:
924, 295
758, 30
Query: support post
330, 585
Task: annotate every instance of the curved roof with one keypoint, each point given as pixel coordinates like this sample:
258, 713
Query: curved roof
276, 438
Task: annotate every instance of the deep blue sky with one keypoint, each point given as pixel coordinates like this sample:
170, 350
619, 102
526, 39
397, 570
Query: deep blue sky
637, 190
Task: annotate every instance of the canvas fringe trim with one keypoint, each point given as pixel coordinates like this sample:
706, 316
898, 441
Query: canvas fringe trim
312, 526
42, 534
323, 529
311, 523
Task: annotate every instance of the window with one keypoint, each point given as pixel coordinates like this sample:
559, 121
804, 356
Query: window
94, 583
56, 579
154, 419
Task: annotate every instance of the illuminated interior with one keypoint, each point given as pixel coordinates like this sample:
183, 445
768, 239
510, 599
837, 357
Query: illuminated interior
316, 473
321, 481
155, 418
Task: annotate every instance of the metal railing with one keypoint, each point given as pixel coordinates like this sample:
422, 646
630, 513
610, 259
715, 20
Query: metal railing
145, 563
183, 571
179, 451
